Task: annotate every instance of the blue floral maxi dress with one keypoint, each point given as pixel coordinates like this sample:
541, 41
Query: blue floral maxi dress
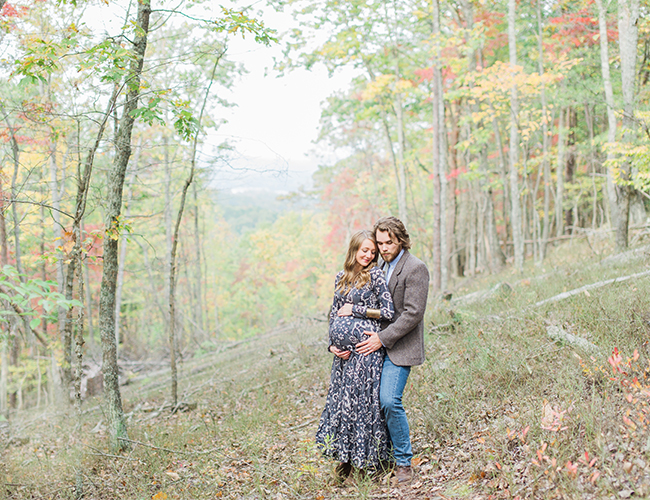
352, 427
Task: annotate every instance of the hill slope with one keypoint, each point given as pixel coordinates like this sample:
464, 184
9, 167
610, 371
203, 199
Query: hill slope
499, 410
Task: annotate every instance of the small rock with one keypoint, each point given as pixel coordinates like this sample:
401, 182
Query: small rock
640, 463
627, 467
625, 493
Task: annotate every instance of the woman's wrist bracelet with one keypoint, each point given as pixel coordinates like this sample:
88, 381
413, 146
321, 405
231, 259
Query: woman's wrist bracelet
373, 313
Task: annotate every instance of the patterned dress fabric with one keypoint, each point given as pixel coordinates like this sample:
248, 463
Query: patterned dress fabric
352, 427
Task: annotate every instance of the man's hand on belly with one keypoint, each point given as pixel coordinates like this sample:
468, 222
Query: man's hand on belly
370, 345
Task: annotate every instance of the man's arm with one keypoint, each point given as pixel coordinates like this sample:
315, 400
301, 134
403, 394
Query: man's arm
416, 290
415, 301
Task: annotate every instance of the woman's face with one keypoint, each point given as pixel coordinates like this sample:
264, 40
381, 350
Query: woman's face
366, 252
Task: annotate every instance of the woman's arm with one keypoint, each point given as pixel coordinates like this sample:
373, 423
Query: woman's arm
386, 307
380, 289
336, 301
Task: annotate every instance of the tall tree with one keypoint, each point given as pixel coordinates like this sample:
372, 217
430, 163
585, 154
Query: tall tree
611, 115
114, 410
628, 16
517, 234
440, 263
546, 166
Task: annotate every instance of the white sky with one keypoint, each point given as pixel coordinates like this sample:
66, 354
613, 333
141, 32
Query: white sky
276, 118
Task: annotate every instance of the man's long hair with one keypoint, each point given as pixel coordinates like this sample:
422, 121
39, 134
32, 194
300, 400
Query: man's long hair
395, 228
351, 279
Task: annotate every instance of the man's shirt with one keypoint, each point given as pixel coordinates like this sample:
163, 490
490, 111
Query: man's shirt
390, 267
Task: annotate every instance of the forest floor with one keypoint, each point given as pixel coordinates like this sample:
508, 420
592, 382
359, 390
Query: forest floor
499, 410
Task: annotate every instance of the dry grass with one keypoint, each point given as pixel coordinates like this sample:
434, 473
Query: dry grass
497, 411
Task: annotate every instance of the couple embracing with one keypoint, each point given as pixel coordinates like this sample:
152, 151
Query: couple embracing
376, 333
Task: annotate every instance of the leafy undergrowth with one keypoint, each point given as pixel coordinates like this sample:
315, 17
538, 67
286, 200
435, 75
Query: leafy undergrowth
498, 410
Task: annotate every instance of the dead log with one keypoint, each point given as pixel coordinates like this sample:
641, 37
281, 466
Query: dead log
558, 334
586, 288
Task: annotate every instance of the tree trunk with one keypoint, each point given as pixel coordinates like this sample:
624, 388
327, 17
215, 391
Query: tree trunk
4, 375
517, 236
179, 218
572, 122
401, 143
57, 231
88, 299
628, 16
440, 254
559, 196
123, 241
114, 410
611, 116
198, 275
546, 165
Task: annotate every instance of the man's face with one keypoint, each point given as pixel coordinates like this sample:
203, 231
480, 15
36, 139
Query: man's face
388, 248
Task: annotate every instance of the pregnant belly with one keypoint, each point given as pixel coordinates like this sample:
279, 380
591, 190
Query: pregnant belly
347, 331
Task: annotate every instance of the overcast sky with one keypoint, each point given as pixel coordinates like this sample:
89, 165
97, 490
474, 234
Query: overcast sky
276, 118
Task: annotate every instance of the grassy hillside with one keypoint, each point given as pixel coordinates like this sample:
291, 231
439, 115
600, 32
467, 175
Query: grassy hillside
499, 410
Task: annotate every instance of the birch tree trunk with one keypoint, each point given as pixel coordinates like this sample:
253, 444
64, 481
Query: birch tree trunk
609, 102
559, 196
517, 236
113, 398
546, 166
628, 16
440, 243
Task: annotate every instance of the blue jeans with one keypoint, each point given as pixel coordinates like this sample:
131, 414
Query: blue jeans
393, 381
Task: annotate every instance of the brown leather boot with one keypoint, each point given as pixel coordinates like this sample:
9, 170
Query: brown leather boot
403, 473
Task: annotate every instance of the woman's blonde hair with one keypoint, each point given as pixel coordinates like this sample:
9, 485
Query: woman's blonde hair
351, 279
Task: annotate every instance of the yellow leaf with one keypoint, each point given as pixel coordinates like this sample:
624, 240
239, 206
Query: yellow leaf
161, 495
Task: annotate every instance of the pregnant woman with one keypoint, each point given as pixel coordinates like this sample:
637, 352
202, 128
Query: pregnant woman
352, 428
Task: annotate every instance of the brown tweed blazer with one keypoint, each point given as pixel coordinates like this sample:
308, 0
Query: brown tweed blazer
403, 338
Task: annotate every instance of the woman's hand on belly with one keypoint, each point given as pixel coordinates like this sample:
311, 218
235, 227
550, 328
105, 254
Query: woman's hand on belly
339, 353
345, 310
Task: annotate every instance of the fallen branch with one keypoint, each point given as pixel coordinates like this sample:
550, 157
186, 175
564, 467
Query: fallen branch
180, 452
559, 335
304, 424
585, 288
99, 453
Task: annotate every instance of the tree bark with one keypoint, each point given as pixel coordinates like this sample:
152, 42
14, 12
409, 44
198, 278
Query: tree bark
611, 116
517, 236
546, 166
113, 398
559, 196
628, 16
440, 254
